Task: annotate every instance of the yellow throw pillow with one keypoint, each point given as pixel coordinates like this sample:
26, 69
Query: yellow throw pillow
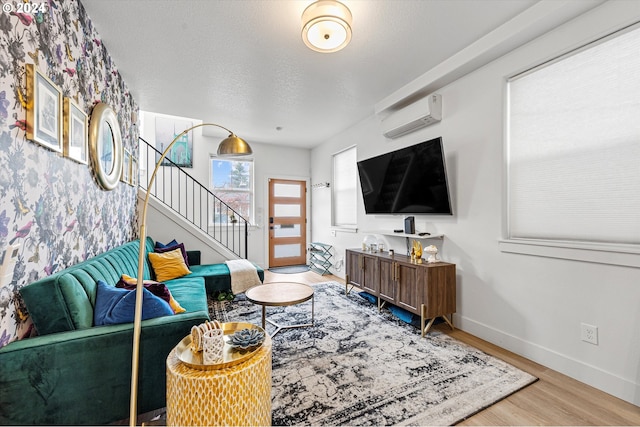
175, 305
168, 265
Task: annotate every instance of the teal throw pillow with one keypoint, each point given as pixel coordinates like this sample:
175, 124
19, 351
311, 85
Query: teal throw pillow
117, 305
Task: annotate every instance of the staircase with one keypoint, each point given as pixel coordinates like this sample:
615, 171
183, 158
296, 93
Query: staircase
178, 191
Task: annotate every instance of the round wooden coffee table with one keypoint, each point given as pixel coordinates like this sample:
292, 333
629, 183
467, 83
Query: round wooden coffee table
280, 294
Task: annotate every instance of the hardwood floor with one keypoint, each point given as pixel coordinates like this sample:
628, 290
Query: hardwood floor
554, 399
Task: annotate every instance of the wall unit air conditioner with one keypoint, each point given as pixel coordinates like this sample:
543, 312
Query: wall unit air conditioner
422, 113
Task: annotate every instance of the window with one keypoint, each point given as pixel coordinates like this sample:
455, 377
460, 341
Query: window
573, 155
344, 189
232, 182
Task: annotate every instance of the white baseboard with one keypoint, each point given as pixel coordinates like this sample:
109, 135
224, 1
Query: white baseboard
602, 380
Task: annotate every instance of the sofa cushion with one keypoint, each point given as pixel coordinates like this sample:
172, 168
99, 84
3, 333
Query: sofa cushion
156, 288
169, 265
116, 305
191, 293
172, 248
159, 245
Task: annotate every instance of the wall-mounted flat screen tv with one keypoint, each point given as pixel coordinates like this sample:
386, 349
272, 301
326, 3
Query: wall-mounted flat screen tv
412, 180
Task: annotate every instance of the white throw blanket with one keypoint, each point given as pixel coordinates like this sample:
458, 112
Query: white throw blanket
243, 275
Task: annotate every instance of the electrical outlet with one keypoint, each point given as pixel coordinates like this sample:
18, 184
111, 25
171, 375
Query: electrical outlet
589, 333
333, 233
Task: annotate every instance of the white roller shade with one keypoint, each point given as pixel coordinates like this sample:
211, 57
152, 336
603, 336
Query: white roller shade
344, 188
574, 146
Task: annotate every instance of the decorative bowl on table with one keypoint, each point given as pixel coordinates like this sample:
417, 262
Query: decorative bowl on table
246, 338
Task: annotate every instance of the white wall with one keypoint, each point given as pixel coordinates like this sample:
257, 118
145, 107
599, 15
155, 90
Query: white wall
270, 161
530, 305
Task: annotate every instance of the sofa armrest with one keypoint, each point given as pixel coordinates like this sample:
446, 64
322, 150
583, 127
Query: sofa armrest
193, 257
84, 376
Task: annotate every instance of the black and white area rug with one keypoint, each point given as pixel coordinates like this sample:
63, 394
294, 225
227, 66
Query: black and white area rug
357, 366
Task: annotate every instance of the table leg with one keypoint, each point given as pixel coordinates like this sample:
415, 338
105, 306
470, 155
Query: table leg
264, 316
280, 327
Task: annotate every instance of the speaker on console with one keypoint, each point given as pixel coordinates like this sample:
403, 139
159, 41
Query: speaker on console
409, 225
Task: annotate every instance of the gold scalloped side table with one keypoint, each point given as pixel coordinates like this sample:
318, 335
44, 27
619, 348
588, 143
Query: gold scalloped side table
236, 396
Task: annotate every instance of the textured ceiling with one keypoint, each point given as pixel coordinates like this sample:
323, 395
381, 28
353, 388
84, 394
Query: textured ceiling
243, 64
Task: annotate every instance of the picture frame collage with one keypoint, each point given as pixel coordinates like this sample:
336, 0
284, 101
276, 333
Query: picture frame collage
57, 123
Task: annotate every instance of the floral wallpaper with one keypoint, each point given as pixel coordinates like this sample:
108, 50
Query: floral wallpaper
51, 204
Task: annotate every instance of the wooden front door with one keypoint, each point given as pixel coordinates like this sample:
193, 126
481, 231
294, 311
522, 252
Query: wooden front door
287, 222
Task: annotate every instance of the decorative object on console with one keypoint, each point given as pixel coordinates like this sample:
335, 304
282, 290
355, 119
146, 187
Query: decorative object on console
326, 26
417, 251
74, 130
370, 243
230, 146
409, 225
44, 110
432, 250
105, 146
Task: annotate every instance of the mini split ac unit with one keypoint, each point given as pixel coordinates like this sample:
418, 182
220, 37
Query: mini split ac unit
422, 113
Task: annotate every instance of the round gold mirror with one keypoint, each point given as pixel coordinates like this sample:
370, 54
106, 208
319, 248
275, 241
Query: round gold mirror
105, 146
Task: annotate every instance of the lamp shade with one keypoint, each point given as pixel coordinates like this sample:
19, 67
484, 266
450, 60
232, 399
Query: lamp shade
326, 26
234, 146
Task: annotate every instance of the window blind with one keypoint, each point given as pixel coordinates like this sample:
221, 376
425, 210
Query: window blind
573, 146
344, 188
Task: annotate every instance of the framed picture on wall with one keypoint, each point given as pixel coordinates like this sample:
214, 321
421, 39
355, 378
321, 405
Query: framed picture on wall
134, 171
75, 131
181, 153
126, 167
44, 110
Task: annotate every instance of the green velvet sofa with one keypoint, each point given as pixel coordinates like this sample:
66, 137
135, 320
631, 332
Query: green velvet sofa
76, 373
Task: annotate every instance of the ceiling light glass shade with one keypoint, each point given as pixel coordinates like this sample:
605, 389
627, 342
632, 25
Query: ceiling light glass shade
326, 26
234, 146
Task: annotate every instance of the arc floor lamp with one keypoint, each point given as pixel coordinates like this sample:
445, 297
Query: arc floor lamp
230, 146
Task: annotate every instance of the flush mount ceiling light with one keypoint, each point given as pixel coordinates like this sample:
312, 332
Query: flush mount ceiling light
326, 26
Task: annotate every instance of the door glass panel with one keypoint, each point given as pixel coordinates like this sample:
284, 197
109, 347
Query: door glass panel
280, 210
286, 190
286, 230
284, 251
